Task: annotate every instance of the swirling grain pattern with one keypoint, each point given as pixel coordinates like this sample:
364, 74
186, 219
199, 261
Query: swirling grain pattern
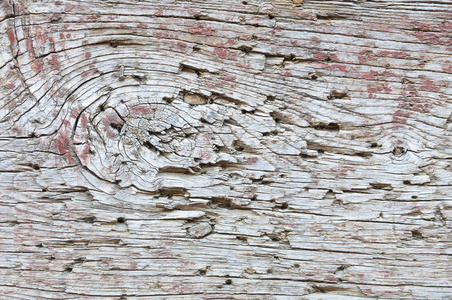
258, 149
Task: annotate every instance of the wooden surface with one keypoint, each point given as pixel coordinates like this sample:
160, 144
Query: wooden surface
225, 149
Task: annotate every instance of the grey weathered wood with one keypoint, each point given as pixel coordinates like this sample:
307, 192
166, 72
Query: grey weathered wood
225, 149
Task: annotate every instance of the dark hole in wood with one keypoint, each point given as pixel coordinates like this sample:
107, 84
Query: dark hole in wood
363, 154
330, 126
416, 234
120, 220
312, 76
399, 151
241, 238
338, 95
271, 98
168, 100
140, 78
246, 49
117, 126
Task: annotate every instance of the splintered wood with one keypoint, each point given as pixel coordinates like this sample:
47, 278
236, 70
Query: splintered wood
280, 149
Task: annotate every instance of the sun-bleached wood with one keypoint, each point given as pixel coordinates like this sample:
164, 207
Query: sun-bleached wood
225, 149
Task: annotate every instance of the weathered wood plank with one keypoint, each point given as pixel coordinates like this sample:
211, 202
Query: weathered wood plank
225, 150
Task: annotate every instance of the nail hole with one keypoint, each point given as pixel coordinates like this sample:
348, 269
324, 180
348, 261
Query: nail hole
399, 151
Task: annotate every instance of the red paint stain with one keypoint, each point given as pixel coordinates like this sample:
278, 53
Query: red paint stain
339, 67
141, 25
83, 154
54, 61
447, 68
61, 144
398, 120
225, 54
84, 121
393, 54
228, 77
85, 74
141, 110
201, 30
69, 7
286, 73
88, 54
164, 35
250, 161
421, 26
11, 36
429, 85
242, 65
325, 56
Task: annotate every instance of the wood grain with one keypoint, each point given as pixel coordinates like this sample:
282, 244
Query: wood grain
225, 149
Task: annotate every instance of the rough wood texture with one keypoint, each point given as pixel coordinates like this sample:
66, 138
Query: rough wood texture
225, 149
